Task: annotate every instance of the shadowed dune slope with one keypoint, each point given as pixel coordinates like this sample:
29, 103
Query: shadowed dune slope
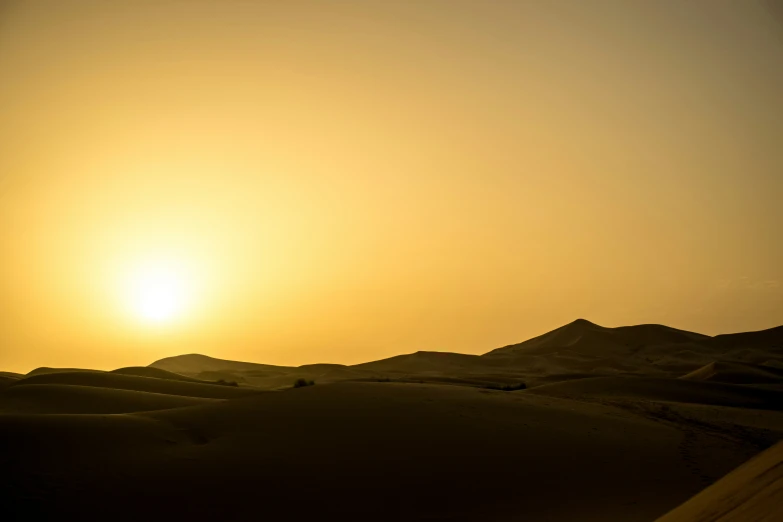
6, 381
148, 371
61, 398
674, 390
736, 373
354, 452
750, 493
136, 383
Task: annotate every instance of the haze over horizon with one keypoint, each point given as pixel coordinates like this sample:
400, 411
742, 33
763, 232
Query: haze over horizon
301, 182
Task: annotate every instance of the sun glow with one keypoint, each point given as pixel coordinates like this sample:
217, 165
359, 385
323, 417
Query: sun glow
159, 291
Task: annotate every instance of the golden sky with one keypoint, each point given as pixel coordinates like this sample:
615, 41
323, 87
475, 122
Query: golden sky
339, 181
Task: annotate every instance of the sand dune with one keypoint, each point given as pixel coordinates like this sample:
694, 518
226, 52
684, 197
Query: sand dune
675, 390
45, 370
588, 338
6, 381
355, 451
136, 383
751, 493
651, 348
770, 339
148, 371
61, 398
196, 363
736, 373
578, 348
422, 361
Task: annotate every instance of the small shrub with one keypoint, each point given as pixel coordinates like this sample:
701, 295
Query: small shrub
301, 383
514, 387
507, 387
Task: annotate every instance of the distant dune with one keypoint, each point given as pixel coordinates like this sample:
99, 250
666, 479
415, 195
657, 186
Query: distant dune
44, 370
588, 338
196, 363
578, 349
422, 361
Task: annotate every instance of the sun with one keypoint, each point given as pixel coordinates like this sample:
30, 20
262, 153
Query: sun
158, 291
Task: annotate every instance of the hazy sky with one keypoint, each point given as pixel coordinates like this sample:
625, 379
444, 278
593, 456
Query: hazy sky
339, 181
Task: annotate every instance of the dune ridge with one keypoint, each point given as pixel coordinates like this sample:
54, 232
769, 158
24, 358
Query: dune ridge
136, 383
580, 348
68, 398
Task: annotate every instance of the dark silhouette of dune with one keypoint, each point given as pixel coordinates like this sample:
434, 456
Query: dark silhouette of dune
136, 383
580, 348
44, 370
750, 493
770, 339
423, 361
63, 398
584, 337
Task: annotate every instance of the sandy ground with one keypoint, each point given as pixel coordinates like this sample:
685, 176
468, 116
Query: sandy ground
751, 493
617, 424
358, 451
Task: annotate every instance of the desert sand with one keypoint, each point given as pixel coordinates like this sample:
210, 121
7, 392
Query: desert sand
615, 424
752, 492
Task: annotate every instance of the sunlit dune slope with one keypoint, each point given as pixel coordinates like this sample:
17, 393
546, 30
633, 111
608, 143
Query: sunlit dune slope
355, 451
750, 493
62, 398
136, 383
675, 390
737, 373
